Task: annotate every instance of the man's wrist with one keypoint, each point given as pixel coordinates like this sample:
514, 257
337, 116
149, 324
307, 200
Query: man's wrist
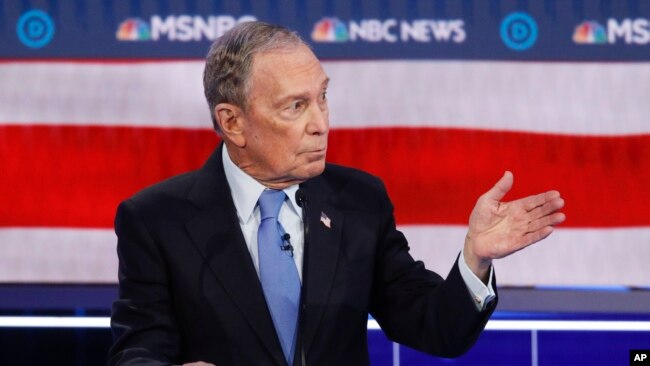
479, 266
481, 292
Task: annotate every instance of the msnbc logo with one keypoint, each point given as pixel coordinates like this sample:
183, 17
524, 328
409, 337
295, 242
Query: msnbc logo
329, 30
590, 32
134, 29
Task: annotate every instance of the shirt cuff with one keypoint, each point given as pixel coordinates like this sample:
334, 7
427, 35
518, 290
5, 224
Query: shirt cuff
481, 294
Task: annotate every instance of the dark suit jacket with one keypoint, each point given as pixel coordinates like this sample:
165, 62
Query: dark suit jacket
189, 291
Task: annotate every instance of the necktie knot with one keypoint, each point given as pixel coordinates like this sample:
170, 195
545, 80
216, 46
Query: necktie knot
270, 202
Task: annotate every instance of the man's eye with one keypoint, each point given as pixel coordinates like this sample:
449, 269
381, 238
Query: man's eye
323, 96
296, 105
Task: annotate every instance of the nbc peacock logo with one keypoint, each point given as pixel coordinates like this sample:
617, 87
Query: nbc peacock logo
133, 29
589, 32
330, 30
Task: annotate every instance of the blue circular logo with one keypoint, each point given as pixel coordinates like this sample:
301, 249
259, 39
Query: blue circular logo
519, 31
35, 29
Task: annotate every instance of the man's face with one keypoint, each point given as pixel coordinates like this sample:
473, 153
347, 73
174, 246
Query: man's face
287, 119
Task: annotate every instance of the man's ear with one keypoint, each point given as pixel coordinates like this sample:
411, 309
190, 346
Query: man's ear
231, 123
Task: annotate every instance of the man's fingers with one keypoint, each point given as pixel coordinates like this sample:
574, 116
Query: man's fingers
534, 237
547, 208
532, 202
550, 220
502, 187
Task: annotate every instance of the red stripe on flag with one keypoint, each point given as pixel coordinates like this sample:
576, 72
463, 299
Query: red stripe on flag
434, 176
68, 176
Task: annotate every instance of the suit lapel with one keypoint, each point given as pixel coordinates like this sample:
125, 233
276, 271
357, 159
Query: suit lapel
324, 241
216, 233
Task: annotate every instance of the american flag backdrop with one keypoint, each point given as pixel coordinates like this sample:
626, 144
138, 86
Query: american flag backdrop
79, 134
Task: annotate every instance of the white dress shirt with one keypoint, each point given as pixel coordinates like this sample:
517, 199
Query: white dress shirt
248, 191
245, 192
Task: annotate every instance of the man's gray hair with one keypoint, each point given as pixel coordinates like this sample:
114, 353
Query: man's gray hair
226, 78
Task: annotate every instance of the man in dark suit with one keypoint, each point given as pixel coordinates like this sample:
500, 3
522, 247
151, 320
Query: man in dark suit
269, 256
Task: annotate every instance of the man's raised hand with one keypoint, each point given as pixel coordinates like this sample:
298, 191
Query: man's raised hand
498, 229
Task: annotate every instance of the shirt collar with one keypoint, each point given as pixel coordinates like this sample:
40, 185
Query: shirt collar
245, 190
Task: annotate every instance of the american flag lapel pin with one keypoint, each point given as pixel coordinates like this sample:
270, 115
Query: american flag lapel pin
325, 220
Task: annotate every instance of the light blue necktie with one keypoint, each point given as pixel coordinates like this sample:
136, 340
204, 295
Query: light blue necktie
278, 272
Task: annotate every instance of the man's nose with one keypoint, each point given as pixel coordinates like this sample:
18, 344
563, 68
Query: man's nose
319, 120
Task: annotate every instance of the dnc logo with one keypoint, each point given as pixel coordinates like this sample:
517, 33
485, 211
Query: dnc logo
35, 29
330, 30
589, 32
519, 31
134, 29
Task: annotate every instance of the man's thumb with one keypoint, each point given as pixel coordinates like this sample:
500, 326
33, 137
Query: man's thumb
502, 187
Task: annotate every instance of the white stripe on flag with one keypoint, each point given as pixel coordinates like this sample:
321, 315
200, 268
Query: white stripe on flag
161, 94
46, 255
566, 98
570, 257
